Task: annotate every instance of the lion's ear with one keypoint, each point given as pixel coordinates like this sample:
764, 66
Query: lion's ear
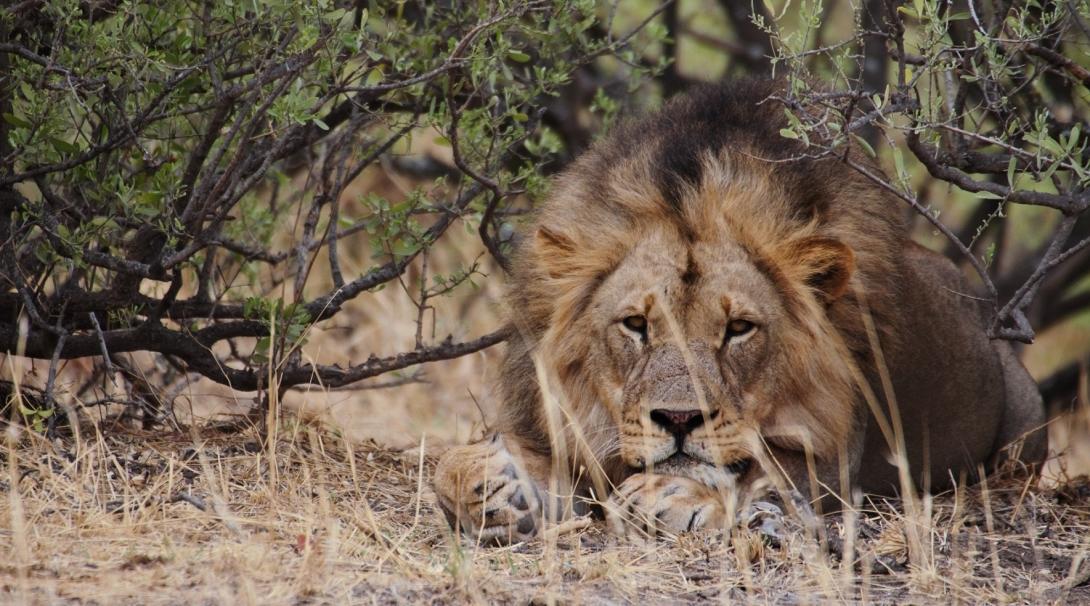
825, 264
555, 252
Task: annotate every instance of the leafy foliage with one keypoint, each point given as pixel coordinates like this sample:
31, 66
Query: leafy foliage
991, 100
150, 152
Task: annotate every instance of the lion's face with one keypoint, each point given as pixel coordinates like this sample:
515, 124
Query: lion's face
687, 335
695, 294
703, 340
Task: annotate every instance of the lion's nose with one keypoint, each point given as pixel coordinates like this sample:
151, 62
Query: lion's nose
678, 422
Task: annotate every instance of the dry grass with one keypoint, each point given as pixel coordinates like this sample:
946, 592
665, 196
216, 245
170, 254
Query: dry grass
135, 518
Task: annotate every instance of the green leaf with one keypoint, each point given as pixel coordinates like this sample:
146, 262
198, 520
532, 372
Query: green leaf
866, 146
334, 15
989, 254
27, 90
517, 55
403, 248
788, 133
63, 146
899, 164
16, 120
1052, 145
1052, 167
263, 345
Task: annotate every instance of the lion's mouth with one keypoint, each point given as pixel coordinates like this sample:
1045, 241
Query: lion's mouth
682, 464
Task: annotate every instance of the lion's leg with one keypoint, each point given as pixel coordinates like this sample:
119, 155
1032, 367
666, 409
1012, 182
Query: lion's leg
492, 490
1023, 412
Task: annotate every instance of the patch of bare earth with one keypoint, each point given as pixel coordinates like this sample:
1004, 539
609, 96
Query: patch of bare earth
210, 519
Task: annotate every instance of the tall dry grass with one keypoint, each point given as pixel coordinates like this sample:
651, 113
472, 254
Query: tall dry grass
135, 518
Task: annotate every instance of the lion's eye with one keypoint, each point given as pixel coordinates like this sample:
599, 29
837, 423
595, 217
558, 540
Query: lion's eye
637, 324
738, 328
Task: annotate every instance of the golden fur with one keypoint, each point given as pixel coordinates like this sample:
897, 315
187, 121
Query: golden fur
675, 227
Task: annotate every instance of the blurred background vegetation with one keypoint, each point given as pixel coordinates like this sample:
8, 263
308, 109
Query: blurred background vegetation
215, 209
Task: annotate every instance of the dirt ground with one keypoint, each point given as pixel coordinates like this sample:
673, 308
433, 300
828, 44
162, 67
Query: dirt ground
212, 519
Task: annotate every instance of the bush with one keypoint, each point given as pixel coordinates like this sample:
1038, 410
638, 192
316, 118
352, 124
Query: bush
144, 147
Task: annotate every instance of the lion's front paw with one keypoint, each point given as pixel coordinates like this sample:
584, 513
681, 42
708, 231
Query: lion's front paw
483, 491
766, 519
647, 504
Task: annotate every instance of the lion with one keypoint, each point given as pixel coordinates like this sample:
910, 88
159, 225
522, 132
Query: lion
701, 308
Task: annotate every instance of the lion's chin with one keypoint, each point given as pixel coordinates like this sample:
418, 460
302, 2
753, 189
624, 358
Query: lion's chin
714, 476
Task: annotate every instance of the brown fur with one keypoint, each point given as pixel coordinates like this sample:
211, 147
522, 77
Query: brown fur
689, 220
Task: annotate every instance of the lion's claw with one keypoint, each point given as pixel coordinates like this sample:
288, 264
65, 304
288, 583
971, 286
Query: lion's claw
766, 519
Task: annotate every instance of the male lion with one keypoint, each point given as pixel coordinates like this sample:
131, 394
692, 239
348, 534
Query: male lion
698, 305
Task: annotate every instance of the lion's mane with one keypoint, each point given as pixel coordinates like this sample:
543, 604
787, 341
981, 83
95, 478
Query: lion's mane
711, 160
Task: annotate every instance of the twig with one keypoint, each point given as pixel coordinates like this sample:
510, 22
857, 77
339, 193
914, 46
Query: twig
103, 350
915, 204
191, 499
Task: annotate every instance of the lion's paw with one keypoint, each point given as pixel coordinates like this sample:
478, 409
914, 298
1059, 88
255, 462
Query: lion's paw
645, 505
483, 491
766, 519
